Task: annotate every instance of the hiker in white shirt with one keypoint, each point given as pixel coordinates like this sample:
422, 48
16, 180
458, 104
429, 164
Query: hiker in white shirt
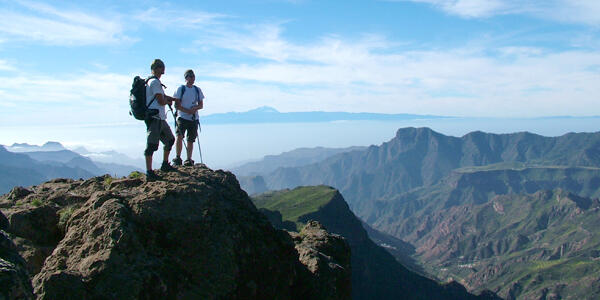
157, 128
191, 99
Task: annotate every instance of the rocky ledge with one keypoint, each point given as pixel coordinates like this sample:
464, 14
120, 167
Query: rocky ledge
194, 234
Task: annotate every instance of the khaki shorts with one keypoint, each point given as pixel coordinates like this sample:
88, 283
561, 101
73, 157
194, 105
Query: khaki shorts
191, 127
159, 130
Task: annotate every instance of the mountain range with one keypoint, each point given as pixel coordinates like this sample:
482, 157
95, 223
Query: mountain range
32, 164
435, 192
267, 114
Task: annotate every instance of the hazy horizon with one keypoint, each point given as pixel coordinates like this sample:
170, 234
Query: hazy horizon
226, 145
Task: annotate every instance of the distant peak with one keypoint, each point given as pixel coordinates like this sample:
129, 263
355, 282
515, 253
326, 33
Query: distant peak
55, 144
20, 145
265, 109
411, 131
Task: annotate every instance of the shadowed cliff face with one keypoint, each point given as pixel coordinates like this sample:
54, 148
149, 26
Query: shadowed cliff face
14, 281
375, 272
192, 235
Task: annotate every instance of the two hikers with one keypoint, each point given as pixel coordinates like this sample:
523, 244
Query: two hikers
190, 101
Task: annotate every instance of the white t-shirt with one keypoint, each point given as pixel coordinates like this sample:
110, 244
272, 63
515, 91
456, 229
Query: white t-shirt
190, 98
154, 87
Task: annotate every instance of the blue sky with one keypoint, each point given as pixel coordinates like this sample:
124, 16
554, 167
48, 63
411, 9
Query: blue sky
73, 62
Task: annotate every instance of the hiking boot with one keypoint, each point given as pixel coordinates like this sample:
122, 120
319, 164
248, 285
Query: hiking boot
177, 161
151, 176
166, 167
188, 162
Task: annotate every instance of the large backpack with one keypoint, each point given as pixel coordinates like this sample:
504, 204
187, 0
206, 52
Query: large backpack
137, 98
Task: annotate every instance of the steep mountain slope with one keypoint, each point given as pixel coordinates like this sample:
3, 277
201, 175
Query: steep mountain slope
294, 158
375, 273
418, 157
192, 235
522, 246
457, 235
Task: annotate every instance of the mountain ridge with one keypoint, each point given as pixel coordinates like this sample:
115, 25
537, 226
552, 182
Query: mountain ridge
375, 273
420, 157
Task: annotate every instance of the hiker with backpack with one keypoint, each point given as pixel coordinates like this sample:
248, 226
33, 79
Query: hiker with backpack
157, 128
190, 100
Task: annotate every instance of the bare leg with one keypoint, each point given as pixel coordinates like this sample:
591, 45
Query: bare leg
166, 155
148, 162
190, 149
178, 145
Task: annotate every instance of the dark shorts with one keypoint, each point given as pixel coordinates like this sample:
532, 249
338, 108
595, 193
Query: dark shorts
159, 130
191, 127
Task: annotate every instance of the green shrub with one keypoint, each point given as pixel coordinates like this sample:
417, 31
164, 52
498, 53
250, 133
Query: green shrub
135, 174
64, 215
107, 181
36, 202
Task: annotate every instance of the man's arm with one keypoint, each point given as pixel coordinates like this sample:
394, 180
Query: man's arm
164, 99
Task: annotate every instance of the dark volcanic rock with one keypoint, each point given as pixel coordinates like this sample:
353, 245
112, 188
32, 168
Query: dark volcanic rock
192, 235
14, 279
328, 257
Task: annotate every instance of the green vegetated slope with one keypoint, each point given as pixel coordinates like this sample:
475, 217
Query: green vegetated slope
375, 272
293, 204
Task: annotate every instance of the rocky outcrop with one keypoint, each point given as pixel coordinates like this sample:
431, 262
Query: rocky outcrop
327, 256
194, 234
14, 279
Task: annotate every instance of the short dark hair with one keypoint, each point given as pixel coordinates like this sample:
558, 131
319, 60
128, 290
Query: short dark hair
157, 63
188, 72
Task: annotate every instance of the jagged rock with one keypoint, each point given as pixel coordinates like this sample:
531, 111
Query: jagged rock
18, 193
328, 257
14, 279
194, 234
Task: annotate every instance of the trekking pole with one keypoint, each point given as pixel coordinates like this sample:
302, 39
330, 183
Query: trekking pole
198, 139
175, 123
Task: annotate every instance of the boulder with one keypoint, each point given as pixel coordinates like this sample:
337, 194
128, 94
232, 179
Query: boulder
193, 234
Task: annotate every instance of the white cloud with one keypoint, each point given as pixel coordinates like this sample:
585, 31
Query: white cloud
181, 19
6, 66
41, 22
469, 8
571, 11
372, 75
78, 99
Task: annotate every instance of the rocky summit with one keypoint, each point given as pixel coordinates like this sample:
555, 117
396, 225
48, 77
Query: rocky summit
193, 234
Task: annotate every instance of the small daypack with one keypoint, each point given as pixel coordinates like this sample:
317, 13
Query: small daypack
137, 98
